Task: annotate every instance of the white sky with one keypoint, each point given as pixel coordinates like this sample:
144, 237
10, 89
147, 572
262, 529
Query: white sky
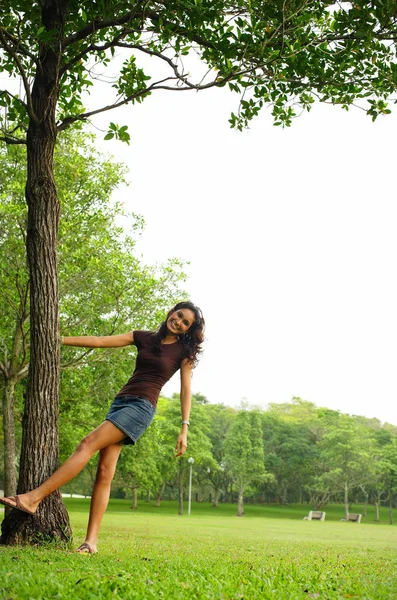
291, 235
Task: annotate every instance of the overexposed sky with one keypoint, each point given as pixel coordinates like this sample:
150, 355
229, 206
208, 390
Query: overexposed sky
291, 236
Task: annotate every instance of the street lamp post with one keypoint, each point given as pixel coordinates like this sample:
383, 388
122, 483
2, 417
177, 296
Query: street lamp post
190, 461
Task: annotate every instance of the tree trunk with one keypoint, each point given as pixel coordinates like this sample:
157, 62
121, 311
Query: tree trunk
365, 501
39, 453
215, 501
134, 498
10, 473
240, 503
230, 493
376, 510
346, 502
159, 494
180, 488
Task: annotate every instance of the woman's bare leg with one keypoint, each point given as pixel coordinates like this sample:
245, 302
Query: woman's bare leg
105, 435
100, 494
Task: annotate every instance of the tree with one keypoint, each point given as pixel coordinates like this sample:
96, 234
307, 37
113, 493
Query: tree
384, 486
288, 452
103, 286
221, 419
244, 457
389, 456
199, 445
347, 449
278, 53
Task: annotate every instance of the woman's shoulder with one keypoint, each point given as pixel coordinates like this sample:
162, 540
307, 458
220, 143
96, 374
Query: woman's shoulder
141, 336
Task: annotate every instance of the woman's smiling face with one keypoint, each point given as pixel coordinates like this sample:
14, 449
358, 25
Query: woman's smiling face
180, 321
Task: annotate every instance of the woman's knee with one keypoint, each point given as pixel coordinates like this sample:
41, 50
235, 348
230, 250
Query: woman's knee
108, 458
105, 436
105, 472
87, 445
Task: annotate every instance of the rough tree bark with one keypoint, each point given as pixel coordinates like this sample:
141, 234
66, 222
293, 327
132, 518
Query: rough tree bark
41, 404
10, 479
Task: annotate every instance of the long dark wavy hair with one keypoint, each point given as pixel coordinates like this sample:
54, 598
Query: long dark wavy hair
191, 340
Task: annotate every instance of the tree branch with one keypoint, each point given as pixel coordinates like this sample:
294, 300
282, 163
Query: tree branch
26, 85
95, 26
169, 61
88, 357
83, 116
180, 30
3, 365
77, 360
356, 36
6, 92
11, 140
18, 46
88, 49
155, 86
3, 370
22, 373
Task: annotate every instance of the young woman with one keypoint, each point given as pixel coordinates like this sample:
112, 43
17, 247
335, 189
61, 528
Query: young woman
175, 345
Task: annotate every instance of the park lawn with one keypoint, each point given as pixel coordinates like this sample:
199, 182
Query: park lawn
210, 554
334, 512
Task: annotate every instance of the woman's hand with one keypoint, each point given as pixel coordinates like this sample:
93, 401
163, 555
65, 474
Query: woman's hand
181, 444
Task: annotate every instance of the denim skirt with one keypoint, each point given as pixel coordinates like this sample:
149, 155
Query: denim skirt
132, 415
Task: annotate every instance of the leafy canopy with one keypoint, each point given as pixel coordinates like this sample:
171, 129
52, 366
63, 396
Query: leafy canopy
283, 53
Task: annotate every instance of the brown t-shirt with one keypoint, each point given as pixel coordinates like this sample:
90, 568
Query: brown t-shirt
152, 370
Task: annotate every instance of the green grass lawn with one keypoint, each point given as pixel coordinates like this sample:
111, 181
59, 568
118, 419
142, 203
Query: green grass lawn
270, 553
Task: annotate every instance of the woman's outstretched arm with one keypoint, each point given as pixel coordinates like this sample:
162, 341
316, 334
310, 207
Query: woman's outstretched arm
186, 400
104, 341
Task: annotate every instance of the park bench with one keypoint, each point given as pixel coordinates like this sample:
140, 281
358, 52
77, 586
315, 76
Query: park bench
318, 515
353, 517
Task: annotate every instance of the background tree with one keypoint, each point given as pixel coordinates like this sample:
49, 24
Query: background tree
276, 53
389, 472
347, 450
137, 466
199, 445
244, 457
288, 451
310, 422
221, 418
378, 489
